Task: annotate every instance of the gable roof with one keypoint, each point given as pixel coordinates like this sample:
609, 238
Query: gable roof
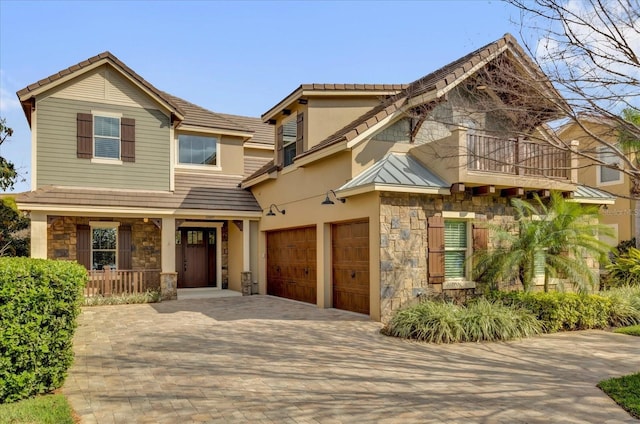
187, 112
316, 88
66, 74
437, 81
396, 172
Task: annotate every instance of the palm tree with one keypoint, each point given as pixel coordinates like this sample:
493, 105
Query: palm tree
555, 237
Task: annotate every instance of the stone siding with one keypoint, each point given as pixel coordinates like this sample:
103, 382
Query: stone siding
404, 243
145, 240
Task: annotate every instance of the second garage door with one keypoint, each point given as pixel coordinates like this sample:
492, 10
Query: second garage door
291, 264
350, 253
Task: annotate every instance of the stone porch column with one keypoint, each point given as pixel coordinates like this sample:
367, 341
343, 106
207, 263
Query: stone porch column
38, 235
168, 276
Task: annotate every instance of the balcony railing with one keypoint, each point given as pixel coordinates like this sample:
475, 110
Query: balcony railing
516, 157
118, 282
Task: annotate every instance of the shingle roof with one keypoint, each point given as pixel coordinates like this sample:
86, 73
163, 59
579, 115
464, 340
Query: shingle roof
201, 117
397, 170
191, 192
262, 133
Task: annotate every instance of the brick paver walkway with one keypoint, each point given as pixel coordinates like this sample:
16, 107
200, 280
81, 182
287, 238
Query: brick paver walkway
265, 360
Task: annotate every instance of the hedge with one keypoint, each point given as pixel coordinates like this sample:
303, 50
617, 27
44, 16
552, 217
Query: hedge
561, 311
39, 303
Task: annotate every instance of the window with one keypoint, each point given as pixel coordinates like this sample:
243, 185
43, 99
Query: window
455, 249
106, 137
197, 150
289, 135
608, 175
104, 247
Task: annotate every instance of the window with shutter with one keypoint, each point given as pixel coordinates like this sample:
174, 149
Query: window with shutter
289, 137
455, 245
106, 137
124, 247
300, 133
128, 131
83, 245
279, 143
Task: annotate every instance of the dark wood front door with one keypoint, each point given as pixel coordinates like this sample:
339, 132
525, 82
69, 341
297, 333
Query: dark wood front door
195, 257
350, 270
291, 264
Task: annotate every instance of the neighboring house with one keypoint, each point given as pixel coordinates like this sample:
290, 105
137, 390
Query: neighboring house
410, 179
127, 177
373, 195
620, 215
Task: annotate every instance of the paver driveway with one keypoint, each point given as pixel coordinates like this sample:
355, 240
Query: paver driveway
265, 360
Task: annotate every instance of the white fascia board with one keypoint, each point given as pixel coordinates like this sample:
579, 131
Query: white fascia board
392, 188
259, 146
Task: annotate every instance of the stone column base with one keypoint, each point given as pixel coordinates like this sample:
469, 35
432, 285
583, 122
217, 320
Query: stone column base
246, 283
169, 285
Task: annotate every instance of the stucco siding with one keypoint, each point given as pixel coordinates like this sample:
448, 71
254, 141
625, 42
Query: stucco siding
57, 146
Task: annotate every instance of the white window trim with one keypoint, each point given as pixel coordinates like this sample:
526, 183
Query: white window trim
103, 224
466, 282
110, 161
194, 166
599, 182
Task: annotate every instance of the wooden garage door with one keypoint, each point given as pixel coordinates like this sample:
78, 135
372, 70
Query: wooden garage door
291, 264
350, 253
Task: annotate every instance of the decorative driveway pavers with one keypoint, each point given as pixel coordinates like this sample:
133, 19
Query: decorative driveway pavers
260, 359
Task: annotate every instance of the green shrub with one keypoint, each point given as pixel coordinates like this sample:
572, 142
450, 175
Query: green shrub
150, 296
624, 269
443, 322
625, 305
39, 303
561, 311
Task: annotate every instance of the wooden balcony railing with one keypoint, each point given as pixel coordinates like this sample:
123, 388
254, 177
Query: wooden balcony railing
517, 157
118, 282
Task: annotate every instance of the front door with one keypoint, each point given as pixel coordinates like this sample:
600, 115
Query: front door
195, 257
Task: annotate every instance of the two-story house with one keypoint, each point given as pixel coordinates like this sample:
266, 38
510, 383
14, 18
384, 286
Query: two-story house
388, 195
129, 178
598, 168
370, 196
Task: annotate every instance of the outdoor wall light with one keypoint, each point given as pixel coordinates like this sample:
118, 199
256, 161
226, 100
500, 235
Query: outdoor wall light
328, 201
272, 213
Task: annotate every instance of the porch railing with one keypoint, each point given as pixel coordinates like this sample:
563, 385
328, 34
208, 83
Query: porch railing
516, 157
119, 281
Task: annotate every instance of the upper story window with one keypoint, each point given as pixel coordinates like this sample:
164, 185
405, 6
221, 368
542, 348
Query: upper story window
289, 136
197, 150
290, 139
106, 137
608, 175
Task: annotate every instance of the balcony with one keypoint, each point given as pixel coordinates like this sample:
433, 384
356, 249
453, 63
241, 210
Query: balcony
517, 157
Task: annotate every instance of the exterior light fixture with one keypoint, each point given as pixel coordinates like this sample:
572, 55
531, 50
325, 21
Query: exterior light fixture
328, 201
272, 213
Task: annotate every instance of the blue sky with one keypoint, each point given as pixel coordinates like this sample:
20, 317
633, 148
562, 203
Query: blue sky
236, 57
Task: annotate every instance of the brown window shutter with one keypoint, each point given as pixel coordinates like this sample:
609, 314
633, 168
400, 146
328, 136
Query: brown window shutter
279, 145
83, 245
128, 139
85, 136
124, 247
300, 134
480, 234
435, 236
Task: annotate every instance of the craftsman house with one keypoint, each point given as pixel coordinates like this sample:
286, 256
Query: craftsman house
371, 195
141, 184
388, 189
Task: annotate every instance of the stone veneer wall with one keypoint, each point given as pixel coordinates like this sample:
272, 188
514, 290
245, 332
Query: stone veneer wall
404, 242
145, 240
